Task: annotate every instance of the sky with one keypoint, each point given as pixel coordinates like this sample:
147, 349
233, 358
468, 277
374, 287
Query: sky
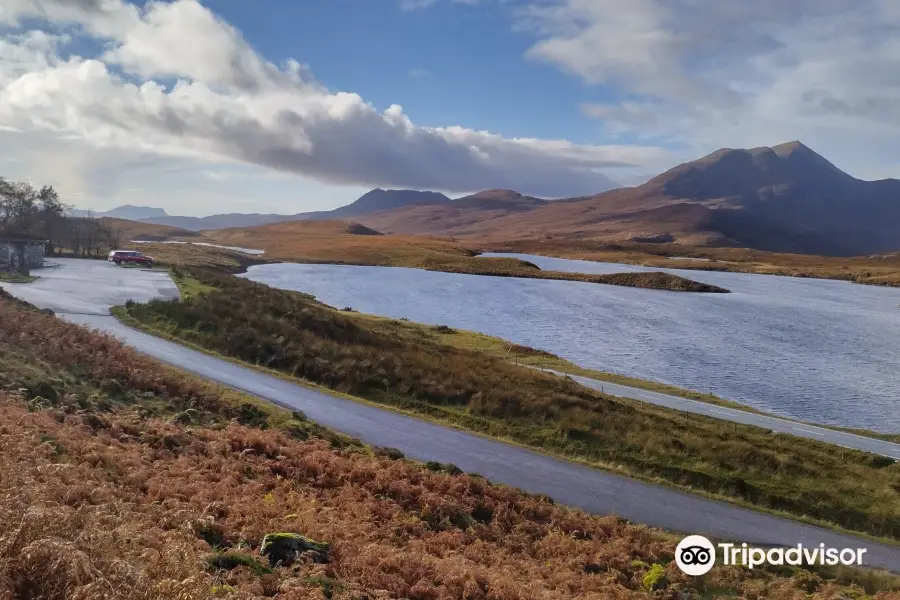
276, 106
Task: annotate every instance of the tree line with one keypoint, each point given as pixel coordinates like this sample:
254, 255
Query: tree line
28, 212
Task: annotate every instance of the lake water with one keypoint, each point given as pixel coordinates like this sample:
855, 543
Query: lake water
810, 349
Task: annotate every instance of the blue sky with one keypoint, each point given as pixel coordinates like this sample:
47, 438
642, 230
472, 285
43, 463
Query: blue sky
449, 63
206, 106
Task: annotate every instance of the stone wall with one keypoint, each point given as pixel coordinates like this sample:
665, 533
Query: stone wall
34, 254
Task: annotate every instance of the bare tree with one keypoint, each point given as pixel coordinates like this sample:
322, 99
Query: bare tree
89, 232
74, 235
112, 235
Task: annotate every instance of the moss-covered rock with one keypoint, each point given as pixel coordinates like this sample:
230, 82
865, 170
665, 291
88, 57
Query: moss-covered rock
284, 548
233, 559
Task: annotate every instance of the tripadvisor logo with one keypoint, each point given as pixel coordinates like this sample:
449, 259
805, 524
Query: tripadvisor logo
695, 555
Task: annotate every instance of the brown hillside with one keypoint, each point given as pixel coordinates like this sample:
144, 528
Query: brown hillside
334, 241
151, 232
784, 199
499, 198
456, 217
124, 480
338, 242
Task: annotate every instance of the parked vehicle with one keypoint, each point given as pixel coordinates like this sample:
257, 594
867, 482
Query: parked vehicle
132, 257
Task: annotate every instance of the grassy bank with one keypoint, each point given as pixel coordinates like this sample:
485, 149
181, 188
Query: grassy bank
120, 478
339, 242
190, 255
513, 267
402, 366
532, 357
7, 277
870, 270
49, 360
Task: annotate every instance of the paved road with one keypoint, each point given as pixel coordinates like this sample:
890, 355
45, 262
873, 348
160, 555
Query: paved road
829, 436
568, 483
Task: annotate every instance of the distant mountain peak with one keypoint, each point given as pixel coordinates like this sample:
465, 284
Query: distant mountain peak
126, 211
496, 194
730, 172
400, 192
497, 199
139, 207
801, 156
789, 148
378, 200
130, 211
784, 150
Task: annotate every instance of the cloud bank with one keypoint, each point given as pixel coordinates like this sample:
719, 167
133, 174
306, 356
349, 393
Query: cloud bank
174, 79
736, 73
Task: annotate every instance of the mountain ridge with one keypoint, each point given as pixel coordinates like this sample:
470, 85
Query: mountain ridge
126, 211
455, 216
783, 198
375, 200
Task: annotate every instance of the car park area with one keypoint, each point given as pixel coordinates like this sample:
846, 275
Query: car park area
80, 286
130, 257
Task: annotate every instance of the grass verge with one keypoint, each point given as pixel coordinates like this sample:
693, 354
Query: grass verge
192, 255
7, 277
399, 366
532, 357
524, 355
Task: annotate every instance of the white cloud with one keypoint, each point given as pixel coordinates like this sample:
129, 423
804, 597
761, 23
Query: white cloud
420, 73
101, 178
417, 4
175, 80
218, 175
736, 73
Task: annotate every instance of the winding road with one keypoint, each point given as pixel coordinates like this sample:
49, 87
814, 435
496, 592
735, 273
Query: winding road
82, 292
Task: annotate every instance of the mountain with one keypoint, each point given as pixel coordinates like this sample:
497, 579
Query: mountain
381, 200
499, 199
785, 198
149, 232
223, 221
373, 201
135, 213
127, 211
453, 216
